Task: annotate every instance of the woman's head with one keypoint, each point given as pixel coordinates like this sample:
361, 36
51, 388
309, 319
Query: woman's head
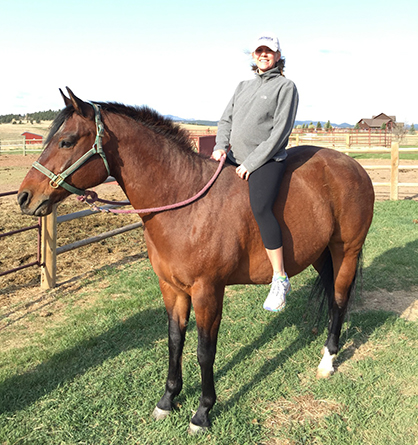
266, 54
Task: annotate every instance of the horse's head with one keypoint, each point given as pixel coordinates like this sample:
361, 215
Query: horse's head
72, 160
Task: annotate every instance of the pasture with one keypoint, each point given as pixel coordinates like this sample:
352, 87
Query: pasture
88, 361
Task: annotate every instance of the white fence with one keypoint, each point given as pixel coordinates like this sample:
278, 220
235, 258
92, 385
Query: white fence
21, 145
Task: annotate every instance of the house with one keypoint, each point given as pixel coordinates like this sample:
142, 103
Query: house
32, 138
378, 122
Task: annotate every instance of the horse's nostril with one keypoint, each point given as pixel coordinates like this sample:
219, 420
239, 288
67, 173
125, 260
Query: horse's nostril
23, 198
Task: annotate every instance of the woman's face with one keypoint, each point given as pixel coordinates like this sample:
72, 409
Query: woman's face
265, 58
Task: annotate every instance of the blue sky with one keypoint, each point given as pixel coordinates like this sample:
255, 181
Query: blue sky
185, 58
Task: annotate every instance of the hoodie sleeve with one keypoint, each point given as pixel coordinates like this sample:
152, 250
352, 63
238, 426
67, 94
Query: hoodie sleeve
224, 127
284, 118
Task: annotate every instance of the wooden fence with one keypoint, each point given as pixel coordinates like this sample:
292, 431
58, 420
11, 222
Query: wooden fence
50, 251
350, 139
21, 145
394, 166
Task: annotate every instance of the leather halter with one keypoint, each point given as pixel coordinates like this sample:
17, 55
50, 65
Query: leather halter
97, 148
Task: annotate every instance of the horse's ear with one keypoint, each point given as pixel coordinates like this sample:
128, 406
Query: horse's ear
67, 100
80, 107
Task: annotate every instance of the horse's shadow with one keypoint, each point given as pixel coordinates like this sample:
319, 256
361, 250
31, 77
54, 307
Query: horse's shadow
149, 326
144, 329
362, 324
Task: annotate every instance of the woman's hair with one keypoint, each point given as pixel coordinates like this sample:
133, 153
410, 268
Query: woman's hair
280, 64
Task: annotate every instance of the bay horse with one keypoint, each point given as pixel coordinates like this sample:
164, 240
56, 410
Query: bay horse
325, 209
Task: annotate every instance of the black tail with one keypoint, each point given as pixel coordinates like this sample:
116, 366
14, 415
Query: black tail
323, 288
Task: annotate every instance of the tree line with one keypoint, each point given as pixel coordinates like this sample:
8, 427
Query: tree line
30, 117
318, 126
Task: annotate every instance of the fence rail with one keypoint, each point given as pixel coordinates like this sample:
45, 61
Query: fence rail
394, 166
342, 140
50, 251
47, 250
37, 227
21, 145
350, 139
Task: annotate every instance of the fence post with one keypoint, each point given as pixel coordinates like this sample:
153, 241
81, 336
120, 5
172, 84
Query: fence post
24, 146
49, 250
394, 171
347, 141
297, 139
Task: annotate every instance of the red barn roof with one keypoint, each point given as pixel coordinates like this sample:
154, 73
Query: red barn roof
29, 135
32, 138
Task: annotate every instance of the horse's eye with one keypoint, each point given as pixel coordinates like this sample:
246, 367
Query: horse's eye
65, 144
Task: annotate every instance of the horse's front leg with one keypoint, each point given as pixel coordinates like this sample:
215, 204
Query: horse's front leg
207, 305
177, 304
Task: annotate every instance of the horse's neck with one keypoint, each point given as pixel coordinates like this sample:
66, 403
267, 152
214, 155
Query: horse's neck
152, 171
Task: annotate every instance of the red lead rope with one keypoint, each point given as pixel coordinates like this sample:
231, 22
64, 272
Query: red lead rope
91, 197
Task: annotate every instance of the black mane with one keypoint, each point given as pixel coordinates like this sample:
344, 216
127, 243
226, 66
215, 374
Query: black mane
144, 115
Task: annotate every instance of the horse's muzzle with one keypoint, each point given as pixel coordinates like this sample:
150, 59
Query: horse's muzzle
41, 208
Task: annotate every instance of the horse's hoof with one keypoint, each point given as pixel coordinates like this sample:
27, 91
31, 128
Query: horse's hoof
160, 414
194, 430
324, 373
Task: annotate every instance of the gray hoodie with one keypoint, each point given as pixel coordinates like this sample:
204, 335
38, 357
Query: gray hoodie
258, 120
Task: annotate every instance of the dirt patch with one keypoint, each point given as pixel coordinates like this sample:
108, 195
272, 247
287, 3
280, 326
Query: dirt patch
405, 304
302, 409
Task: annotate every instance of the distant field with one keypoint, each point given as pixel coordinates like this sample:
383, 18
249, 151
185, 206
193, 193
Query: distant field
14, 131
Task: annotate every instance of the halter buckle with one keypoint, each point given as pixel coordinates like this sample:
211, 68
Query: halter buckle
55, 183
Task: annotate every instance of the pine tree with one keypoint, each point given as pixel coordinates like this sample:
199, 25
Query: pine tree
328, 126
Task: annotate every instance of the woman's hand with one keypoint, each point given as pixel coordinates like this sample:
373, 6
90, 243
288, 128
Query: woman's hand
242, 172
218, 155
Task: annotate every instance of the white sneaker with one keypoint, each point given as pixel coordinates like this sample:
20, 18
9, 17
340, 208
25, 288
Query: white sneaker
276, 299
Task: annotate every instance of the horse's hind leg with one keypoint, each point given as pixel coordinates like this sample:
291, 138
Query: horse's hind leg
178, 305
345, 263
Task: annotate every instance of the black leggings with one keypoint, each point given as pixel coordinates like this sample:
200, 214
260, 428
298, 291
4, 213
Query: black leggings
264, 184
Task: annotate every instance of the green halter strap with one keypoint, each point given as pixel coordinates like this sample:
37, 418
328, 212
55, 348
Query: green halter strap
97, 148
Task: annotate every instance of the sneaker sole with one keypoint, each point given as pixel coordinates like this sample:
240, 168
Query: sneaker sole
281, 307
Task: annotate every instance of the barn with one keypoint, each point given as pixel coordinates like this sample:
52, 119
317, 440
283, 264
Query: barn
32, 138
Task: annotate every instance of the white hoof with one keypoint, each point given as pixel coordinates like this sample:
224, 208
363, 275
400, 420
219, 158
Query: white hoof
160, 414
193, 429
326, 368
324, 373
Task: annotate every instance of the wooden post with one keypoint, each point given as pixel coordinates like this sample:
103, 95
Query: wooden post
24, 146
347, 141
297, 140
49, 250
394, 171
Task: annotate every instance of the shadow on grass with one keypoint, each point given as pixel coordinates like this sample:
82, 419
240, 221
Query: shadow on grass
300, 312
395, 269
148, 326
138, 332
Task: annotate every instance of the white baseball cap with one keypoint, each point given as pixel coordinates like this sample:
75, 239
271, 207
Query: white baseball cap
268, 40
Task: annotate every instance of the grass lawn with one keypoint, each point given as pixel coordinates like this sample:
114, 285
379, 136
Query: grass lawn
92, 372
